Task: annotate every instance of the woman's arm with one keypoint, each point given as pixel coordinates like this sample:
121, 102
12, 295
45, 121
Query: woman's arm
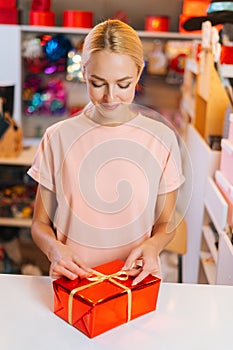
163, 232
64, 261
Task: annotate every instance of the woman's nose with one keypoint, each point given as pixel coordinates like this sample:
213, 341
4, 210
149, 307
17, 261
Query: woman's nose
109, 93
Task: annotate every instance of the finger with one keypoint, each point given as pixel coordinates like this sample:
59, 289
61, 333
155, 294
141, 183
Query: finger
132, 258
134, 272
82, 265
61, 271
140, 277
74, 268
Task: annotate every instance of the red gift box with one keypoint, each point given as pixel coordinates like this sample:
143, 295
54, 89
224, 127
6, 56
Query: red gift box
157, 23
195, 7
105, 301
9, 15
7, 3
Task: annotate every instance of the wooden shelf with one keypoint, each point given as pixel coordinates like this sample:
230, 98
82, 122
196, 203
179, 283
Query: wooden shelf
209, 266
24, 159
17, 222
210, 240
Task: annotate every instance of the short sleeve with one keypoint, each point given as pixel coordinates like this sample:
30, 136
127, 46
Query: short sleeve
42, 169
172, 176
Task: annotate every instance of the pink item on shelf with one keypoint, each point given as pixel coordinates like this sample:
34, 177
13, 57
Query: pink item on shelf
226, 163
227, 191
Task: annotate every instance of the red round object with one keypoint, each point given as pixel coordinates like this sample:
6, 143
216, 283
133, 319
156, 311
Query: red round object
157, 23
41, 18
75, 18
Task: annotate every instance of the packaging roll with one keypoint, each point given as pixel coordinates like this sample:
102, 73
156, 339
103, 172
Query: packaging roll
75, 18
41, 18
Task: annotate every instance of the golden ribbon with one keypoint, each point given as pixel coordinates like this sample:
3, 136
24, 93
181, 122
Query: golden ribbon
96, 278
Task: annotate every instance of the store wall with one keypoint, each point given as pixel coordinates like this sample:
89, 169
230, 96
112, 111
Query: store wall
136, 10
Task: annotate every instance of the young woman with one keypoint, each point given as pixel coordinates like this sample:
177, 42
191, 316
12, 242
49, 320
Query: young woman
107, 177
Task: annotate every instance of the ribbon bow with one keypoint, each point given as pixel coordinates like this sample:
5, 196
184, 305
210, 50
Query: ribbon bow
98, 277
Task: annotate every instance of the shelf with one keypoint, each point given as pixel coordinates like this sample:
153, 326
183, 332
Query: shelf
209, 266
15, 222
225, 261
210, 241
84, 31
216, 205
24, 159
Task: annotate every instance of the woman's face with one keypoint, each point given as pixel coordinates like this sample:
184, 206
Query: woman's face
111, 79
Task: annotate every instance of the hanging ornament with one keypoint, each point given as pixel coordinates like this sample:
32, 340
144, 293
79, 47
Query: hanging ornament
57, 47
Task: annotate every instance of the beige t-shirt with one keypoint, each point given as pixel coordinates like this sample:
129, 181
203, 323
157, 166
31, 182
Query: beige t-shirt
106, 180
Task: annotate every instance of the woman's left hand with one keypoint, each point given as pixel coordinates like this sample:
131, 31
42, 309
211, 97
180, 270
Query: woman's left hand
149, 261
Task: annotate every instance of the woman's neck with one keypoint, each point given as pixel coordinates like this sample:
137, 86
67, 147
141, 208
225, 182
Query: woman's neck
121, 115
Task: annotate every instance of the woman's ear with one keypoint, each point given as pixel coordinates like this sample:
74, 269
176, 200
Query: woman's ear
83, 72
139, 73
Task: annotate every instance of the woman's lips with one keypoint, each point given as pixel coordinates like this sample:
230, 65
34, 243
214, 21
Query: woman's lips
110, 107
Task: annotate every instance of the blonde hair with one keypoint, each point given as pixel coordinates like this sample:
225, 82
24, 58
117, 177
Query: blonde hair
115, 36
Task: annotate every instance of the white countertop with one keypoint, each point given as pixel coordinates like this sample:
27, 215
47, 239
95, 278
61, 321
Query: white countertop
193, 317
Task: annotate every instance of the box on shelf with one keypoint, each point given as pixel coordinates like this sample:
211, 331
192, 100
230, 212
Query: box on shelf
227, 191
212, 100
157, 23
7, 3
226, 162
192, 8
97, 305
11, 137
9, 15
195, 7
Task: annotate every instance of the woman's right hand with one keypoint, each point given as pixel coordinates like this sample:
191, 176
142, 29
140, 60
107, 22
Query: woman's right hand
65, 262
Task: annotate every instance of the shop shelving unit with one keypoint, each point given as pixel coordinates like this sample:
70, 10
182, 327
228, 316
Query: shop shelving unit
23, 160
204, 104
207, 248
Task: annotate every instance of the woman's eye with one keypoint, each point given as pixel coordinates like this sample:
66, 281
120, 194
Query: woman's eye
124, 86
97, 85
